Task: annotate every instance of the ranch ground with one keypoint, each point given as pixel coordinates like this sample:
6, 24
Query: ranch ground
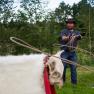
85, 83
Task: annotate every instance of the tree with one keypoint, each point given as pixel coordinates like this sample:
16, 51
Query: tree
33, 9
63, 11
6, 10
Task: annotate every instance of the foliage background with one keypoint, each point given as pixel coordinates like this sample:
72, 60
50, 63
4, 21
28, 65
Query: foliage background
40, 28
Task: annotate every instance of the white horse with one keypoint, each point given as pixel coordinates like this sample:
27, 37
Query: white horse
24, 74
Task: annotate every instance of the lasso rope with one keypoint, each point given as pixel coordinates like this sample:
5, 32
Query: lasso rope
26, 45
77, 48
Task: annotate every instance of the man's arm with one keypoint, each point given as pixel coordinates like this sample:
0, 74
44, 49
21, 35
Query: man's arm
64, 37
78, 36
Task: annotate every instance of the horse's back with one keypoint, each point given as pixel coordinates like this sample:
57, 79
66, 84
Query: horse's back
21, 78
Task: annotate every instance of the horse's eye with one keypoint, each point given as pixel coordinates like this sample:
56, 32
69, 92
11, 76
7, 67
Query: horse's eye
56, 74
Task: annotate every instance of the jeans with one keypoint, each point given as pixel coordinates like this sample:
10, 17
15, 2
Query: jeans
72, 57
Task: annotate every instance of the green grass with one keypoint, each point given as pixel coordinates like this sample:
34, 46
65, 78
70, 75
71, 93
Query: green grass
84, 86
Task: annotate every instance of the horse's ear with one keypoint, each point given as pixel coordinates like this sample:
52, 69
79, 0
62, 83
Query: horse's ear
59, 53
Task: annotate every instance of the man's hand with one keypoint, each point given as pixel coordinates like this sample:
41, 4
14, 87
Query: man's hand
76, 37
65, 38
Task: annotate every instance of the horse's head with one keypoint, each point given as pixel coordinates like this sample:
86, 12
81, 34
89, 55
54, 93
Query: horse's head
56, 69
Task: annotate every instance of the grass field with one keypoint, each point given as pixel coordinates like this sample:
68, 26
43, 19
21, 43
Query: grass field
85, 83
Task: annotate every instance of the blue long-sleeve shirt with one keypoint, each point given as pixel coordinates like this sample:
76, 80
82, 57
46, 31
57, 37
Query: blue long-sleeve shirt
70, 33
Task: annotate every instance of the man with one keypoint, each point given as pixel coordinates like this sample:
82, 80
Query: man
70, 37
